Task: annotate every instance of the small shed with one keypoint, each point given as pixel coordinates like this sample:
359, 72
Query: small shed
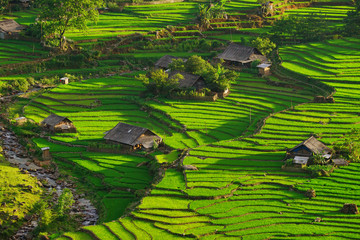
189, 80
46, 153
132, 136
64, 80
165, 61
340, 162
10, 29
264, 69
309, 147
300, 161
240, 55
56, 123
21, 120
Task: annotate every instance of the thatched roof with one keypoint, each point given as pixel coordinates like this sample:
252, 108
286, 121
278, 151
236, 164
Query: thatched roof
314, 146
188, 81
165, 61
131, 135
240, 53
53, 120
10, 26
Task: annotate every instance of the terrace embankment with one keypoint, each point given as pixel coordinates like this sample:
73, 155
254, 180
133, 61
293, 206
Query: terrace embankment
49, 179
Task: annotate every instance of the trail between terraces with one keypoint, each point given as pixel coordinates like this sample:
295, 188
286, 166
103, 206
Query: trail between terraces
16, 154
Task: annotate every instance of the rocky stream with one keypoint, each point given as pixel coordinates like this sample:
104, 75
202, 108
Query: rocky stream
16, 154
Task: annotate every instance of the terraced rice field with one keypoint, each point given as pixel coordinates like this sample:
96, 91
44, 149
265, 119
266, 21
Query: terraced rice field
333, 15
240, 191
13, 51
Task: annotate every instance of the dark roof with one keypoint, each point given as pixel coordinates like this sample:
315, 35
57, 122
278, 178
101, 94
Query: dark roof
10, 25
313, 145
54, 119
238, 53
188, 81
126, 134
165, 61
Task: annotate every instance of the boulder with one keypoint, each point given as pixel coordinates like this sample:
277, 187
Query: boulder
190, 167
350, 208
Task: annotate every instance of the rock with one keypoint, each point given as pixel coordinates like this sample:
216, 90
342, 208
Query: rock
190, 167
350, 208
310, 193
318, 219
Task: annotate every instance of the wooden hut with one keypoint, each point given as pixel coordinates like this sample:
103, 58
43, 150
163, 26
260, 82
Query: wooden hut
10, 29
309, 147
164, 62
264, 69
56, 123
46, 153
131, 136
240, 55
189, 80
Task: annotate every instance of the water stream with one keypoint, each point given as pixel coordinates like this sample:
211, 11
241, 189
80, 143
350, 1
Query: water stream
16, 154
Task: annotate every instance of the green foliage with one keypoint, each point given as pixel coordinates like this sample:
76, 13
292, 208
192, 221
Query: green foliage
159, 82
21, 85
4, 4
65, 202
208, 12
299, 29
264, 45
352, 20
349, 146
216, 77
61, 16
319, 159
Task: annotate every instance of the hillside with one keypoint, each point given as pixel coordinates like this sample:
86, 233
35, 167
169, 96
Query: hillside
237, 144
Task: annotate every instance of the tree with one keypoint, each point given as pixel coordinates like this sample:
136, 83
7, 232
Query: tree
4, 5
159, 83
65, 202
299, 29
264, 45
349, 148
352, 20
217, 78
59, 16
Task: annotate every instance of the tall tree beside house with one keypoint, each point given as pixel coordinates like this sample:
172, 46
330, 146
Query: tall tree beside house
264, 45
217, 78
61, 16
159, 83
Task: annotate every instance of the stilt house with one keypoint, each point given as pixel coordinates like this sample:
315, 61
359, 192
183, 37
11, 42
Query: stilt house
133, 137
56, 123
240, 55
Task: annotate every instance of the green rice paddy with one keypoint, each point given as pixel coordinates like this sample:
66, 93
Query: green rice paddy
240, 190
